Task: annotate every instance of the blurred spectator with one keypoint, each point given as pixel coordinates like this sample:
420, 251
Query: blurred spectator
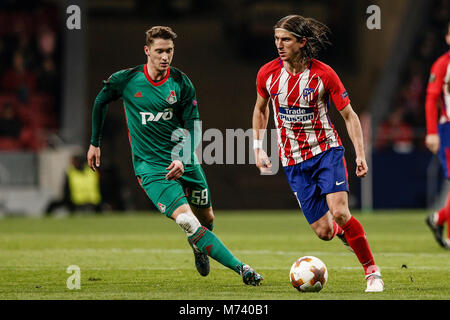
81, 189
18, 80
47, 77
409, 115
428, 46
46, 42
395, 133
15, 134
29, 69
10, 123
3, 56
23, 41
10, 128
411, 95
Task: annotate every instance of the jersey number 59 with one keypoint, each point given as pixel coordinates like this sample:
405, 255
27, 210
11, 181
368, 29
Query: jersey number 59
200, 197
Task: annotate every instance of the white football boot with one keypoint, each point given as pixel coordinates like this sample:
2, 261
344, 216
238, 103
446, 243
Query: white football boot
374, 281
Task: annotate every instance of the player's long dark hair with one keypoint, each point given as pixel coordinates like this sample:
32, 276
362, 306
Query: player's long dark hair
315, 33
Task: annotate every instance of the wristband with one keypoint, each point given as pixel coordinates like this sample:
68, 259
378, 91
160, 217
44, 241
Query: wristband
257, 144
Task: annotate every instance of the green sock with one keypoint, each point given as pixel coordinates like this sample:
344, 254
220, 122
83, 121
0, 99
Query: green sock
210, 244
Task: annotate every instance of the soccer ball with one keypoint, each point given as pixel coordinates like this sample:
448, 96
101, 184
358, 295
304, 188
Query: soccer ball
308, 274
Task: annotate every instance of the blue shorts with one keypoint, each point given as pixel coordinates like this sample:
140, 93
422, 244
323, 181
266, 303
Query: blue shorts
313, 179
444, 149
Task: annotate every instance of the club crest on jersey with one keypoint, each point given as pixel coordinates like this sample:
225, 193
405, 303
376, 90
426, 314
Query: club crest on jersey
162, 207
172, 98
308, 94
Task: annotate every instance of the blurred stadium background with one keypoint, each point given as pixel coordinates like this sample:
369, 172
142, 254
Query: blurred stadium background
50, 75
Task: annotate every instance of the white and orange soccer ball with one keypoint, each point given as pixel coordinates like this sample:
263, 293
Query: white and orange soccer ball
308, 274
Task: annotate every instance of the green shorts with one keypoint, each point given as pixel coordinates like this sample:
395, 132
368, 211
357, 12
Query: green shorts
191, 188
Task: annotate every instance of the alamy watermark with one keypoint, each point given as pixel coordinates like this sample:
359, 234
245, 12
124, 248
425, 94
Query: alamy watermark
73, 281
73, 21
374, 20
234, 146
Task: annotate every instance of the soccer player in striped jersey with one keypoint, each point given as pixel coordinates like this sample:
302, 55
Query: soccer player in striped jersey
438, 134
310, 149
160, 102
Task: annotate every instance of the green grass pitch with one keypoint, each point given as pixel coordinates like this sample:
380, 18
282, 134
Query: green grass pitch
146, 256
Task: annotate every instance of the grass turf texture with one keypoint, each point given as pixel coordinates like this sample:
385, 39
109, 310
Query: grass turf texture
146, 256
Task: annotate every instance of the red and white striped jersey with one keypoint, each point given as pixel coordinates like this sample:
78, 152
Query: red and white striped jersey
438, 89
300, 107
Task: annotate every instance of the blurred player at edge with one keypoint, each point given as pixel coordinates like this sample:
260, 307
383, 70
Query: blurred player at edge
310, 149
438, 135
160, 101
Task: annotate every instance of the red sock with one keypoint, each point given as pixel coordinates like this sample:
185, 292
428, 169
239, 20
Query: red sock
447, 214
441, 217
336, 229
356, 237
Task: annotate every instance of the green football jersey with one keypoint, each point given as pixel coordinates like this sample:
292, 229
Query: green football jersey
156, 113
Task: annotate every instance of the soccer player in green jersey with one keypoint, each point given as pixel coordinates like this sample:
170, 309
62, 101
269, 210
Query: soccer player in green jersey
160, 102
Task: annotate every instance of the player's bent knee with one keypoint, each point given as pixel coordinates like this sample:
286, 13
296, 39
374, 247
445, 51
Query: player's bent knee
188, 222
325, 234
340, 214
210, 217
205, 215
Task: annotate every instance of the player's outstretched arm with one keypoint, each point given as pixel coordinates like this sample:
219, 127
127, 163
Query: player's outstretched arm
259, 123
436, 81
93, 157
433, 142
355, 132
98, 118
105, 96
112, 90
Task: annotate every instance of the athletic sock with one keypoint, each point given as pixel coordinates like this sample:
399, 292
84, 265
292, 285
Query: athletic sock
356, 238
447, 214
209, 226
210, 244
441, 217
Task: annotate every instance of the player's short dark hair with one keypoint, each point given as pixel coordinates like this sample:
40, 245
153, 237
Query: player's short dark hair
159, 32
315, 33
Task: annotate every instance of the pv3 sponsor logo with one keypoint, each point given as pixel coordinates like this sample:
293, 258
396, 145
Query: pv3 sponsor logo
167, 114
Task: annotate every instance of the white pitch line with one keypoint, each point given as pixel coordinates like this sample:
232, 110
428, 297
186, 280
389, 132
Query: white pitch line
31, 268
250, 252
